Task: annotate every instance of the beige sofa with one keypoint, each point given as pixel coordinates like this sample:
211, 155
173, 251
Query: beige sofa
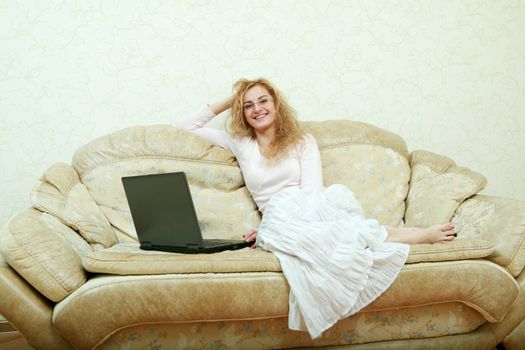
72, 275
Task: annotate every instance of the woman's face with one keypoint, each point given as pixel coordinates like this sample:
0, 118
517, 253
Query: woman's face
259, 108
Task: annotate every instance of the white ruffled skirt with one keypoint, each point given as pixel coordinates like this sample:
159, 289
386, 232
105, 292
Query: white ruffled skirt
335, 261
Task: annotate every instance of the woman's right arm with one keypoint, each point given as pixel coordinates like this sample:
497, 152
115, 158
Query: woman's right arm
222, 105
196, 121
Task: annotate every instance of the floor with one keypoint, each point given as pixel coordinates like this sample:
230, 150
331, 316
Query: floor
11, 339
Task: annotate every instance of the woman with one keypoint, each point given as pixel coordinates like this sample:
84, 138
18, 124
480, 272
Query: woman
336, 261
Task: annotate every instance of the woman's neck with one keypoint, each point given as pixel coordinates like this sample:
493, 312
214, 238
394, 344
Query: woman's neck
264, 139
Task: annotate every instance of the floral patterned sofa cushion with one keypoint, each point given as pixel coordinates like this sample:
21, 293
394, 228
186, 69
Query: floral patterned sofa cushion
60, 193
223, 204
437, 188
128, 259
499, 220
370, 161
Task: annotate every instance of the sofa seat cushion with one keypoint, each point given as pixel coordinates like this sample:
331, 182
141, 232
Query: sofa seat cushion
484, 286
458, 249
129, 259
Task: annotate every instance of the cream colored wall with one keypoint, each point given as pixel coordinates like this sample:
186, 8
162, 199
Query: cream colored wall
449, 76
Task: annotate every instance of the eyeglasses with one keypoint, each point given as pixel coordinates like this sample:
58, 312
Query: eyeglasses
263, 102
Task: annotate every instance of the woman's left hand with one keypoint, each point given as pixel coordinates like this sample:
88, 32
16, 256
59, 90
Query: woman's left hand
250, 236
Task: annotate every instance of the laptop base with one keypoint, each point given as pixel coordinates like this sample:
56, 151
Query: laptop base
196, 249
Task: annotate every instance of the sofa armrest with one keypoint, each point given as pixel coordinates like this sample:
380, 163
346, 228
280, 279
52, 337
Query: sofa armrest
45, 252
28, 311
499, 220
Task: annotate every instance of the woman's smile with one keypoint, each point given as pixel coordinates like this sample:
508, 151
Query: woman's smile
260, 116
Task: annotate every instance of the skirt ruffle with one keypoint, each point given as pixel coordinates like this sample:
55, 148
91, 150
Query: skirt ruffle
335, 261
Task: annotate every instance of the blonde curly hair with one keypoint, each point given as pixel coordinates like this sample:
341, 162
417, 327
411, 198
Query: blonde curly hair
288, 132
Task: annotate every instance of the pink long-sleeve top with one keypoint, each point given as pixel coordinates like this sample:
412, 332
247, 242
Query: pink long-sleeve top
300, 168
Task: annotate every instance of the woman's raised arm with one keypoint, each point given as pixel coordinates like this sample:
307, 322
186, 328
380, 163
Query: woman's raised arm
196, 121
222, 105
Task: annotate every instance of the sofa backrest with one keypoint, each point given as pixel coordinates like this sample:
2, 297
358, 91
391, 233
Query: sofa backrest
223, 204
370, 161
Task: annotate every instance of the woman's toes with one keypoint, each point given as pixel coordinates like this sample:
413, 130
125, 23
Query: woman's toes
450, 232
447, 227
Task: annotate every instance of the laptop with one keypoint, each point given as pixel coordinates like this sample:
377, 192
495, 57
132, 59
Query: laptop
165, 218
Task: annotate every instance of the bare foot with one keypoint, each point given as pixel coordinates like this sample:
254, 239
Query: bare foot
438, 233
416, 235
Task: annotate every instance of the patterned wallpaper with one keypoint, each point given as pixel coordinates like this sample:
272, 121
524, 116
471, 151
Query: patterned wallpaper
448, 76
